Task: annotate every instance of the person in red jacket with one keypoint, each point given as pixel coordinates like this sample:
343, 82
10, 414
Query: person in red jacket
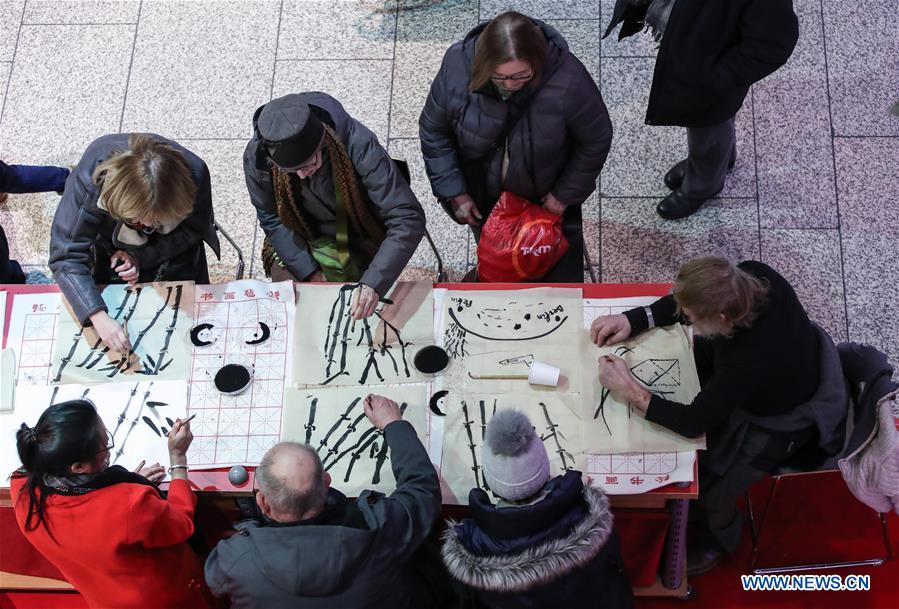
110, 532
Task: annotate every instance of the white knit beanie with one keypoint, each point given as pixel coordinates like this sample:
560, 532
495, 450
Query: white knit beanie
516, 465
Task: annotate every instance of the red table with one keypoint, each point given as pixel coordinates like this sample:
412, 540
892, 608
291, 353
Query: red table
671, 500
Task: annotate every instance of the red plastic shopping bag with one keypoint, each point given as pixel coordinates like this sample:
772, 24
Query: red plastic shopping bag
519, 242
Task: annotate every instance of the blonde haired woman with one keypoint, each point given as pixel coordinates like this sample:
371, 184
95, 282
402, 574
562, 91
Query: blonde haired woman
137, 208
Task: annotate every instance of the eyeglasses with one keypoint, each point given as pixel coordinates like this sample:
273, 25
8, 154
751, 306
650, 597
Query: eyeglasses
147, 229
513, 78
110, 443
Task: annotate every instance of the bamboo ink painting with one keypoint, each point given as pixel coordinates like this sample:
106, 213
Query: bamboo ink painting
556, 419
333, 349
157, 317
332, 420
137, 415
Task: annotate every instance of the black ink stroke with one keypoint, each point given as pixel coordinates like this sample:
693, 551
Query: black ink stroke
258, 339
195, 335
553, 432
521, 338
432, 403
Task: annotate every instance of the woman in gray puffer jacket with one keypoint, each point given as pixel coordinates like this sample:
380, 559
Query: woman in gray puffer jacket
512, 109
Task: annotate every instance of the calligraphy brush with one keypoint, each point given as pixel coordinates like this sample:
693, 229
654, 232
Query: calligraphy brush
185, 421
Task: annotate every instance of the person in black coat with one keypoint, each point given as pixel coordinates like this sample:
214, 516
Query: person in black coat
710, 53
546, 543
512, 109
136, 209
756, 353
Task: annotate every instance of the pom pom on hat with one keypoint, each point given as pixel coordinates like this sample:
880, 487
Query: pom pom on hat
515, 462
509, 433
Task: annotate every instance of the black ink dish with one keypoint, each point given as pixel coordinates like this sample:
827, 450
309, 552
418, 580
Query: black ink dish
232, 379
430, 359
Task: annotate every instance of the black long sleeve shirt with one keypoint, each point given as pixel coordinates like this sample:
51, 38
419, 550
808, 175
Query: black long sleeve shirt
765, 369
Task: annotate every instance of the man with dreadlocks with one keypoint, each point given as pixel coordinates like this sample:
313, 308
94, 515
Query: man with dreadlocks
332, 203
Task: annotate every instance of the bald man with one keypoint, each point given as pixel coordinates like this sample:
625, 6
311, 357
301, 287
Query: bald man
315, 548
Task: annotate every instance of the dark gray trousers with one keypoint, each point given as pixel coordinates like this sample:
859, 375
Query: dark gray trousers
715, 513
710, 151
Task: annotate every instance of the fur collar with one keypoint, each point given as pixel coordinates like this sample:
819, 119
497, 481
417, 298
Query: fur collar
539, 564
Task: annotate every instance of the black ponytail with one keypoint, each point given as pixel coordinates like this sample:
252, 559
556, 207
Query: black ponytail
66, 433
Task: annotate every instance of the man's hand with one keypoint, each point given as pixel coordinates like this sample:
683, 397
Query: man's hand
126, 266
615, 376
610, 329
110, 332
551, 203
154, 473
381, 411
364, 302
465, 210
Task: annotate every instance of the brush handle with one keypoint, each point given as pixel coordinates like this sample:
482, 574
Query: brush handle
499, 377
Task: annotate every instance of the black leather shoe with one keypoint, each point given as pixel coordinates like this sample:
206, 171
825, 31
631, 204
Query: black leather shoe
675, 176
702, 560
678, 205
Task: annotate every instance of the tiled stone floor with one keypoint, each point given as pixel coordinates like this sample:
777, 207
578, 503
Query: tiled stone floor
814, 192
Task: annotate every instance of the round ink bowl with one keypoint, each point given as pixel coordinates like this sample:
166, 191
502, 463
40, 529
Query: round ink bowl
233, 379
430, 360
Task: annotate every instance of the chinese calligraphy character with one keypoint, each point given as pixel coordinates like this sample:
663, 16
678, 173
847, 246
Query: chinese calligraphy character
611, 479
249, 293
229, 295
637, 480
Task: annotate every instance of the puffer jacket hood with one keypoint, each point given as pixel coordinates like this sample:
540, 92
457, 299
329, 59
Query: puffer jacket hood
536, 564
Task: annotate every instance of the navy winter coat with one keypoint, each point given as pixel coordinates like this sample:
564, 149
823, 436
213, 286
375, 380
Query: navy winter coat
559, 552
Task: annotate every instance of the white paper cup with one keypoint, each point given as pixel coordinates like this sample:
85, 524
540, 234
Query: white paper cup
543, 374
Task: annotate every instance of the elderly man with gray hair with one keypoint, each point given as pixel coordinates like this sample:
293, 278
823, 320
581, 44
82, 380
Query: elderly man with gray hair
313, 547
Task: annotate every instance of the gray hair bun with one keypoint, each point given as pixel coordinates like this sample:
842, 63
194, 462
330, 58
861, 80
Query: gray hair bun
509, 433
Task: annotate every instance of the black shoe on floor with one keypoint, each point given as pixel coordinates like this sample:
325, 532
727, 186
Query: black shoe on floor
675, 176
702, 560
678, 205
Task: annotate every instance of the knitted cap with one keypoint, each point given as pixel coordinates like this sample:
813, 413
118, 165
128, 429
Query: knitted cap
290, 131
516, 465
